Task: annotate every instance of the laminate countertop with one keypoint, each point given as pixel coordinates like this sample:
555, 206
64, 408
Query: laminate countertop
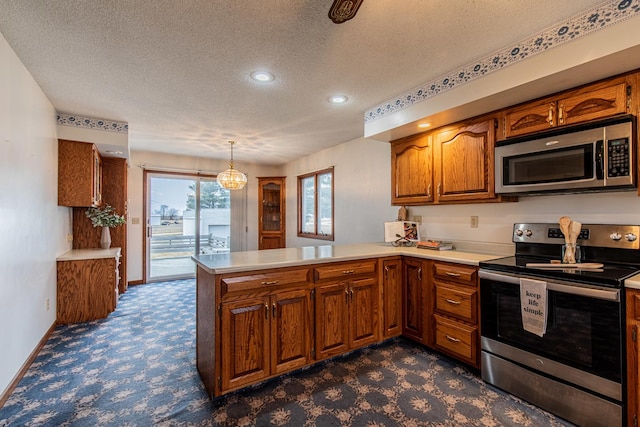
236, 262
82, 254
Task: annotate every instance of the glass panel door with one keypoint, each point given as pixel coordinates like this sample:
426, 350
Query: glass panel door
186, 215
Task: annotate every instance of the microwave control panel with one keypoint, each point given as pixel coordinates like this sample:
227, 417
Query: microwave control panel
618, 157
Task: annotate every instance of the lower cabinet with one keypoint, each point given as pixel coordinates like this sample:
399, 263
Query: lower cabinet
415, 318
255, 325
346, 311
264, 336
391, 297
633, 355
87, 285
455, 307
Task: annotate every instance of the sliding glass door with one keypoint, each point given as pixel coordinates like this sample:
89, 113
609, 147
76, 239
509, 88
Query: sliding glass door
186, 214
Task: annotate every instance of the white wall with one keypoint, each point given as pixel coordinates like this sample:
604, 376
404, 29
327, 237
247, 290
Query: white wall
363, 192
32, 226
362, 185
244, 208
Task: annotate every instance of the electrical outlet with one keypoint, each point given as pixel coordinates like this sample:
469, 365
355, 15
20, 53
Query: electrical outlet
47, 304
69, 237
135, 220
474, 222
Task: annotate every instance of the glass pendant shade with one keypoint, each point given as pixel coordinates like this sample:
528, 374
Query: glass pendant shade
232, 179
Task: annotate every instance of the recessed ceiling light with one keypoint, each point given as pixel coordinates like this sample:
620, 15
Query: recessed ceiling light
262, 76
424, 125
338, 99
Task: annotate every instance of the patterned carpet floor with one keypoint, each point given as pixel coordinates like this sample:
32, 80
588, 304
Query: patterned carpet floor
137, 368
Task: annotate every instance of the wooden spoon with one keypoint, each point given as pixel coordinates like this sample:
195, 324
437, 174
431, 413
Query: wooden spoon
565, 223
565, 227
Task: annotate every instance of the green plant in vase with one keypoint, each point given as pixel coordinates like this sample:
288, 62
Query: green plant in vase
106, 218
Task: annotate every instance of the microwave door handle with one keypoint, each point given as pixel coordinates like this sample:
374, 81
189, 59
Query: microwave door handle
600, 160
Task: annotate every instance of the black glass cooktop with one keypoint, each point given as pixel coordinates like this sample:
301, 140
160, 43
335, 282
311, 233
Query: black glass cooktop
610, 275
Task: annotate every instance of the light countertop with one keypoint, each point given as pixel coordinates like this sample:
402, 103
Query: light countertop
288, 257
82, 254
633, 282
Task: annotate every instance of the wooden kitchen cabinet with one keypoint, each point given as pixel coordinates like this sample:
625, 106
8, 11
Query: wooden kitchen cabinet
591, 102
264, 336
87, 285
450, 165
633, 355
265, 326
412, 170
391, 297
465, 164
456, 311
271, 212
79, 174
415, 318
346, 307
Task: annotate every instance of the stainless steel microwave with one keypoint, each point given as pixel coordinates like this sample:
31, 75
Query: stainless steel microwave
596, 157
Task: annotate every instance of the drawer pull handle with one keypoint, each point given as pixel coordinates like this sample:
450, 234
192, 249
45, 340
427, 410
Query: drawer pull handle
450, 338
272, 282
348, 271
450, 274
451, 301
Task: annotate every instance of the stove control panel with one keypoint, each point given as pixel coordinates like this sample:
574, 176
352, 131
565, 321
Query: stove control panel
600, 235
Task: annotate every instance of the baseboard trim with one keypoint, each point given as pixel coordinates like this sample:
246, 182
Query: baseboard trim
136, 282
25, 366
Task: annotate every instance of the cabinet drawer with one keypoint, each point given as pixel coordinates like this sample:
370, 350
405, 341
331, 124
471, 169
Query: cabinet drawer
266, 279
456, 338
458, 273
334, 271
457, 301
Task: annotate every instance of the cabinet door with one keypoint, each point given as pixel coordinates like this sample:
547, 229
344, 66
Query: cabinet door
363, 312
245, 342
414, 311
411, 170
465, 165
633, 352
595, 104
392, 297
530, 118
332, 320
290, 330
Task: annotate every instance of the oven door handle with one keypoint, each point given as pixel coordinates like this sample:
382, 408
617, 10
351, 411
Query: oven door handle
573, 289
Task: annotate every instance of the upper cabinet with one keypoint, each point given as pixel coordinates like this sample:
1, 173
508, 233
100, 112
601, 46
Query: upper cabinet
464, 167
411, 170
580, 105
79, 174
271, 213
451, 165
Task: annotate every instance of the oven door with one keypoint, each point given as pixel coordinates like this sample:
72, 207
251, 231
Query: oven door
583, 335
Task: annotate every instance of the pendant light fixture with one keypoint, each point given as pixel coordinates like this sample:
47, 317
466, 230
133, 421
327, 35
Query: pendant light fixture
232, 179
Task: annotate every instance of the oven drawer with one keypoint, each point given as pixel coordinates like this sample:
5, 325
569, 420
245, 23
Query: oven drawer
457, 273
457, 338
457, 301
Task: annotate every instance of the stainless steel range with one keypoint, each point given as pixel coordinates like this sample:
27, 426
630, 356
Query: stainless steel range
571, 359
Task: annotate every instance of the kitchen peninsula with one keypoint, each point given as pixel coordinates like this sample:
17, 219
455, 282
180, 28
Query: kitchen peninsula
263, 313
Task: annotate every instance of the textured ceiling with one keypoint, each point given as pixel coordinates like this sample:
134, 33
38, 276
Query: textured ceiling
178, 71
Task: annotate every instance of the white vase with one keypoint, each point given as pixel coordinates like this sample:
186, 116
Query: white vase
105, 238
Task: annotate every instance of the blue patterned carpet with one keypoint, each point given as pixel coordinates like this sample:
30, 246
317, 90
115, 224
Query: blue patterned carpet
137, 368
